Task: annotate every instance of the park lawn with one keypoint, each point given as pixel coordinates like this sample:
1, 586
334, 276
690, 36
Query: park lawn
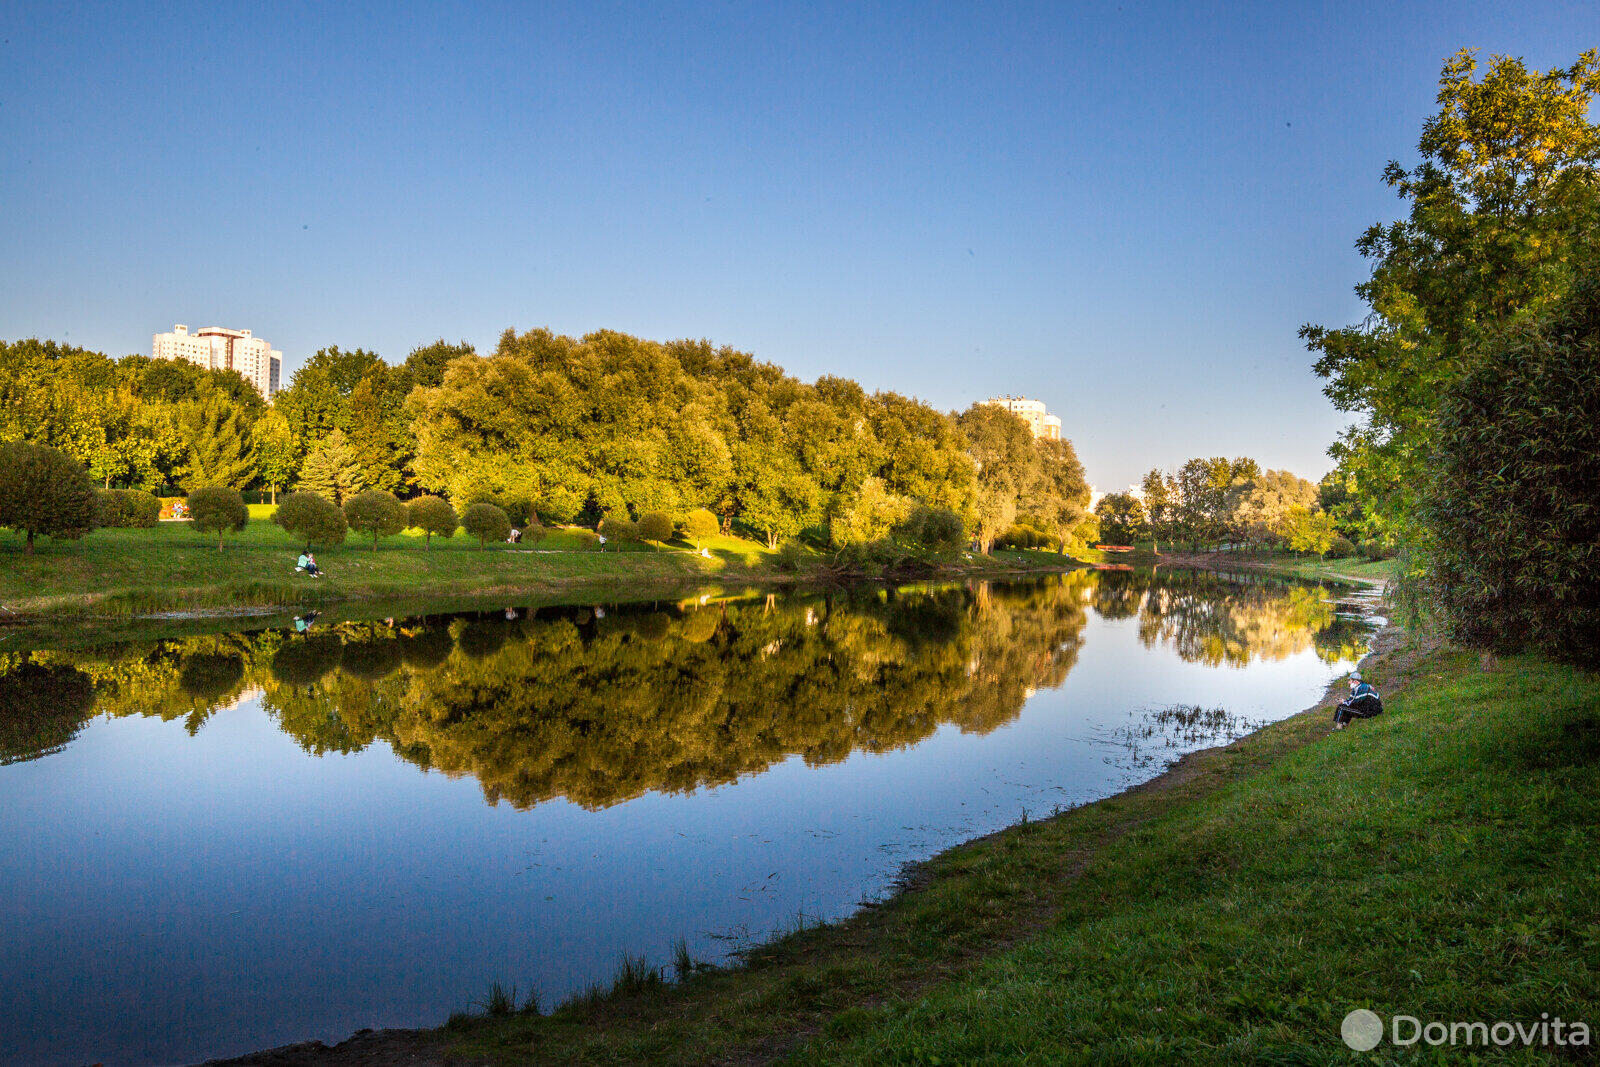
137, 572
171, 566
1437, 862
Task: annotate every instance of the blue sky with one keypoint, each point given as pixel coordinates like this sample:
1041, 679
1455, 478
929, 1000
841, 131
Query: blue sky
1125, 210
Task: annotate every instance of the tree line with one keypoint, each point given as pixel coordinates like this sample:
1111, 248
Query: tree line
1215, 500
1476, 373
554, 429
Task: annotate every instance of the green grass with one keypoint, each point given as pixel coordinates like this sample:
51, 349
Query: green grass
122, 572
1437, 861
171, 567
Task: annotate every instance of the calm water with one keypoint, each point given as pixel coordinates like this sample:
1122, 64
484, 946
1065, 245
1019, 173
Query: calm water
227, 842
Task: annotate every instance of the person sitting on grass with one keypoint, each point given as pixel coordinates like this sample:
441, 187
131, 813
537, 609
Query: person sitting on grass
1363, 703
308, 564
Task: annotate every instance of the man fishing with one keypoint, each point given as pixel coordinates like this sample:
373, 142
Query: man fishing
1362, 703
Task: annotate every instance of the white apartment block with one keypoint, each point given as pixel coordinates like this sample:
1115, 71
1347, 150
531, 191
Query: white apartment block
1041, 422
218, 349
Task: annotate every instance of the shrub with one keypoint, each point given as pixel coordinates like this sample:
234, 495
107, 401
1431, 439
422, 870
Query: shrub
1372, 549
791, 556
1512, 502
219, 510
937, 530
377, 512
533, 531
618, 528
700, 525
129, 508
45, 492
311, 518
1020, 536
432, 515
869, 515
1341, 548
655, 526
487, 523
519, 510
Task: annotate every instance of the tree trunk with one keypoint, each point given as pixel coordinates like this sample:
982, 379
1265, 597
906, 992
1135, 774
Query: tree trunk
29, 549
427, 539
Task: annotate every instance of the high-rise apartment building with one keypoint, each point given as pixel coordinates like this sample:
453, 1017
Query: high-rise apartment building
218, 349
1032, 412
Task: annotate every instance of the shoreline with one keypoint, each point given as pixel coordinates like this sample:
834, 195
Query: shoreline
579, 577
1187, 778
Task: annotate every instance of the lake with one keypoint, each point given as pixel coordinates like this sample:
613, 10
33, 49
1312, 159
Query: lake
233, 840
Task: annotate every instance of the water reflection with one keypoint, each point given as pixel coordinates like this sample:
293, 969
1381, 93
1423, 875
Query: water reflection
599, 705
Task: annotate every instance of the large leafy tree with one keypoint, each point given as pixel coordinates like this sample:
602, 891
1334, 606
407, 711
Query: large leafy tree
1510, 509
1503, 211
276, 452
1007, 464
220, 451
315, 401
331, 470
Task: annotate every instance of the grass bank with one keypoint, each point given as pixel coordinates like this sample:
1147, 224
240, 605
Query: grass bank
1436, 862
123, 572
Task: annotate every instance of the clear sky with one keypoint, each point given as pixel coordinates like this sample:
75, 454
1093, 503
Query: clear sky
1125, 210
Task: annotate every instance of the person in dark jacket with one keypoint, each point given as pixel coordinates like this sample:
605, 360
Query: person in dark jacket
1363, 703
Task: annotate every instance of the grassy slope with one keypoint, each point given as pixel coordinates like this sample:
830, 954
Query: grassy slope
122, 571
1438, 861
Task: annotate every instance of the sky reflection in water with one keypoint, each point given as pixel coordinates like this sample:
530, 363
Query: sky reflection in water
238, 840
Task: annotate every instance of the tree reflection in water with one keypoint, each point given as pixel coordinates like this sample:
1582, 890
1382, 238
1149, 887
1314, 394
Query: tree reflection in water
600, 706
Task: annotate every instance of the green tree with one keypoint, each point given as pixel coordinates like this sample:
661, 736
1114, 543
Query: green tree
331, 470
378, 438
218, 438
700, 525
1305, 530
487, 523
1122, 518
1002, 449
1159, 493
1511, 507
276, 451
870, 514
937, 530
376, 512
1500, 224
432, 515
311, 518
314, 403
655, 526
219, 510
44, 491
425, 366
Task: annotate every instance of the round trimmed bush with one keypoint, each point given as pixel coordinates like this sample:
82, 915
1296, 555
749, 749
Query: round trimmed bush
312, 518
377, 512
44, 491
700, 525
1342, 548
219, 510
432, 515
487, 523
655, 526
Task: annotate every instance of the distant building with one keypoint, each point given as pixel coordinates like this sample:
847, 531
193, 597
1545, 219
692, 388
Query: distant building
218, 349
1032, 412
